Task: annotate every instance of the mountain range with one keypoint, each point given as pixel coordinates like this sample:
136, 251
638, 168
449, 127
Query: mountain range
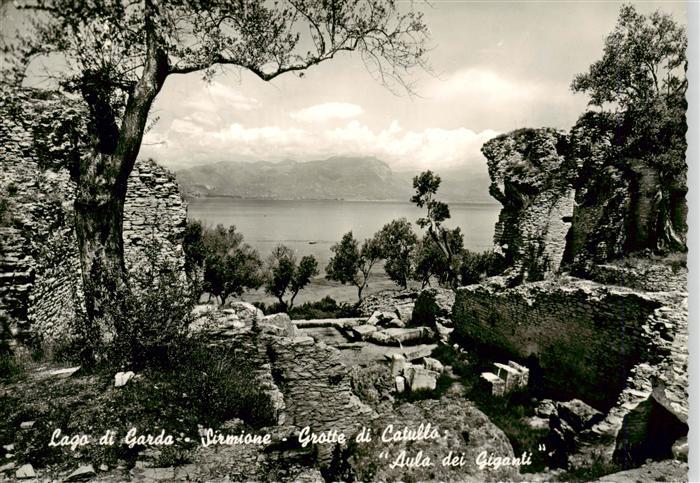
348, 178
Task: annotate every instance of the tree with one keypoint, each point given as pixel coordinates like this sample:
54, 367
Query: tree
115, 56
642, 75
351, 263
397, 242
230, 266
284, 274
448, 242
430, 261
643, 59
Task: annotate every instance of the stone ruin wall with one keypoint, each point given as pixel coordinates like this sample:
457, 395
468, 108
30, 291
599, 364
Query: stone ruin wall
40, 268
316, 386
584, 337
622, 350
526, 177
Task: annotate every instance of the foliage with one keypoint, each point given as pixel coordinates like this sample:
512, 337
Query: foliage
475, 266
642, 74
284, 274
230, 266
397, 242
115, 57
430, 260
194, 248
197, 389
447, 242
351, 263
643, 59
326, 308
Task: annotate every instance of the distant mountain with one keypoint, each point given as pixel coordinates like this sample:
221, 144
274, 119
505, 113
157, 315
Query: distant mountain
333, 178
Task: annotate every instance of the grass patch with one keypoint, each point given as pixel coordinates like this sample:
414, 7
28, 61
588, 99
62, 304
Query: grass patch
506, 412
326, 308
207, 387
596, 470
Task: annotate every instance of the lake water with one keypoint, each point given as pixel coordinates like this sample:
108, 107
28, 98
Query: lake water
312, 227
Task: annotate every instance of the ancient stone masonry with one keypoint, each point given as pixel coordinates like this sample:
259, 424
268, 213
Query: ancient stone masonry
526, 168
573, 200
40, 269
316, 385
581, 336
622, 350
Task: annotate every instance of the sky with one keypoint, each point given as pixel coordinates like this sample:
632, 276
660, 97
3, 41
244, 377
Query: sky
495, 66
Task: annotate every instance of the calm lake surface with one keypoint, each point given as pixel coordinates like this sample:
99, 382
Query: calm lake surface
312, 227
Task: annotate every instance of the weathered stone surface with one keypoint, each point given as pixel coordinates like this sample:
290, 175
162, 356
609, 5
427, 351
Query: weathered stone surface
462, 429
386, 301
420, 379
25, 472
282, 321
40, 283
245, 310
495, 384
571, 327
82, 473
526, 169
433, 365
400, 383
670, 470
398, 364
578, 414
434, 304
362, 331
121, 378
400, 336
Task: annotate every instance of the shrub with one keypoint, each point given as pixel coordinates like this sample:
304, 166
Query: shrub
285, 274
326, 308
475, 266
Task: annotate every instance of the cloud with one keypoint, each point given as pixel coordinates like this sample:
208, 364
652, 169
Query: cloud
484, 84
327, 111
216, 97
433, 148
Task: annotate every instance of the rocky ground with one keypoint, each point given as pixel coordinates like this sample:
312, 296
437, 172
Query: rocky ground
389, 368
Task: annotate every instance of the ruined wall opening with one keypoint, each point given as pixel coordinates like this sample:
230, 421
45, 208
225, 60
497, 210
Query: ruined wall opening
579, 341
648, 432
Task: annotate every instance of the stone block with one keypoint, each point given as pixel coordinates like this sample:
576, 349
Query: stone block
524, 373
495, 384
578, 414
510, 376
283, 321
121, 378
418, 352
398, 364
404, 312
362, 331
420, 378
433, 365
400, 384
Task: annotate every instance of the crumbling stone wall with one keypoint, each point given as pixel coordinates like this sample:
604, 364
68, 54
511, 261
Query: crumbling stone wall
40, 281
526, 169
578, 337
316, 386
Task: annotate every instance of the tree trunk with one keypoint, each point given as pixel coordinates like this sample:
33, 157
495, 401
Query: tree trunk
102, 182
359, 292
98, 224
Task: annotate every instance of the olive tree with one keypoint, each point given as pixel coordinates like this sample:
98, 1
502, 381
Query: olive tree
397, 242
230, 266
284, 274
116, 55
352, 263
444, 243
642, 77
